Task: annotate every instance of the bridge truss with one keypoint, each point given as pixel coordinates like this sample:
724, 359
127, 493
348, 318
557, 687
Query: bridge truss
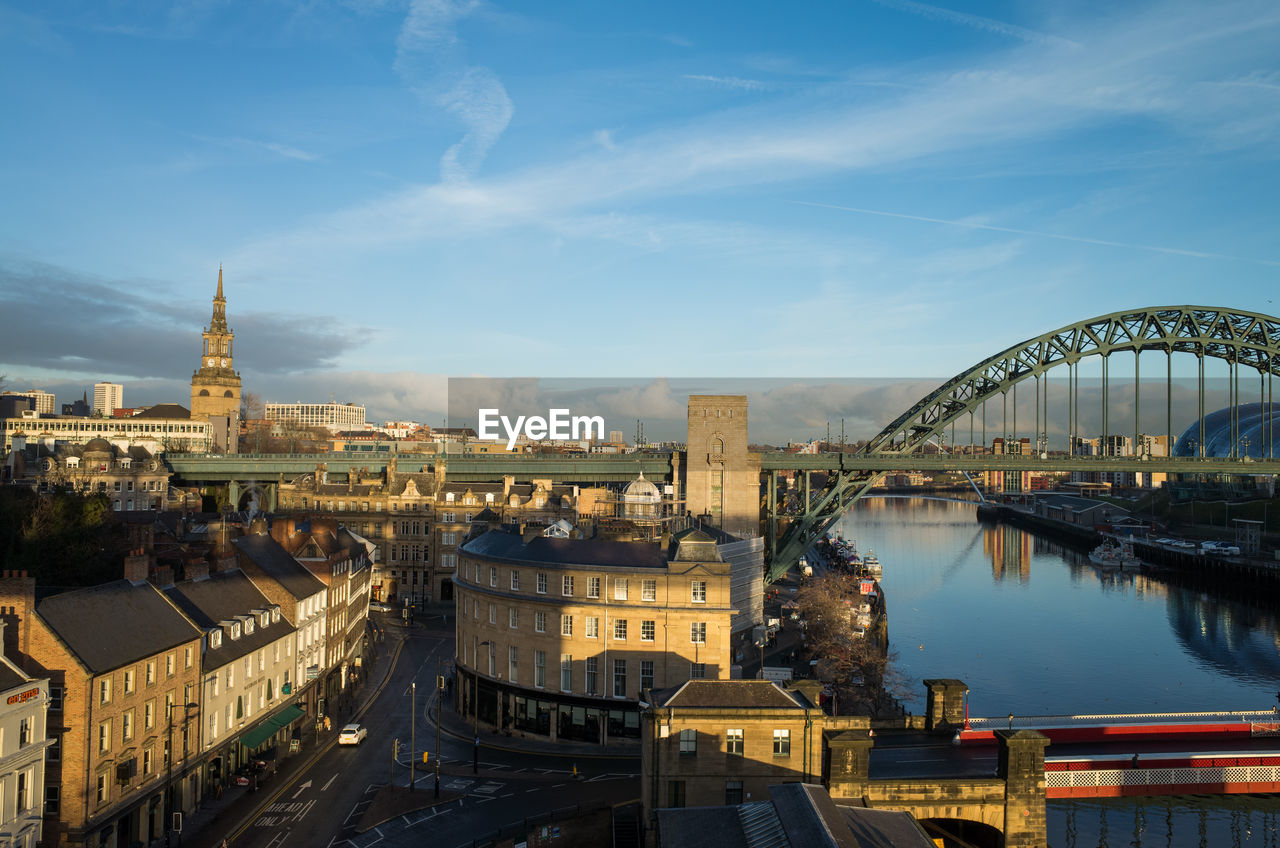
1247, 339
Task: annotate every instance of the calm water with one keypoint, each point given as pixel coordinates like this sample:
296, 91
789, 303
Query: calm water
1034, 629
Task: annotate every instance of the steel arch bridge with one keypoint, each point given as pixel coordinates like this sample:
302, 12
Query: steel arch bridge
1239, 338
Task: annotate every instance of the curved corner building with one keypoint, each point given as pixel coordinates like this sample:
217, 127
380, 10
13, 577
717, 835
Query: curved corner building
556, 637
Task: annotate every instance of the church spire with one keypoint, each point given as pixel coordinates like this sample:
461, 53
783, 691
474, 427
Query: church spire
219, 322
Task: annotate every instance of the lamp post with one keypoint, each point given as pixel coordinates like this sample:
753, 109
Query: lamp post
186, 713
413, 734
439, 704
475, 706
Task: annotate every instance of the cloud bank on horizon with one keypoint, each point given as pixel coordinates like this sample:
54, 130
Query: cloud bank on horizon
404, 190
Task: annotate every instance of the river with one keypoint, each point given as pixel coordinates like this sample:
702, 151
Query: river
1033, 628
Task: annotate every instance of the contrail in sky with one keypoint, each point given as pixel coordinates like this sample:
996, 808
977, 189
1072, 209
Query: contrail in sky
1196, 254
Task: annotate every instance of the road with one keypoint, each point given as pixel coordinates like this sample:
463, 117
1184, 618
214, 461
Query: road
323, 804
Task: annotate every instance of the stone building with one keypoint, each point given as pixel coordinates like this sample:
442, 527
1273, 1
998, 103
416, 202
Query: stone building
557, 637
301, 597
132, 478
24, 742
123, 670
341, 561
215, 385
416, 521
164, 427
246, 667
707, 743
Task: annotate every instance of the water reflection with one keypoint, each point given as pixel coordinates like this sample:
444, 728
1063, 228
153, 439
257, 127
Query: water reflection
1010, 551
1233, 638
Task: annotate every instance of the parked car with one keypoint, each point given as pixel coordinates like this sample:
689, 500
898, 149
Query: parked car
352, 734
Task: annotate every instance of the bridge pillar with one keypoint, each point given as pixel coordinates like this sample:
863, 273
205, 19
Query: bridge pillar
1021, 764
233, 494
850, 762
944, 708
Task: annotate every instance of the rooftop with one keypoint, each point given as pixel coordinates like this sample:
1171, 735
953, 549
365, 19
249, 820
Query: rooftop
544, 550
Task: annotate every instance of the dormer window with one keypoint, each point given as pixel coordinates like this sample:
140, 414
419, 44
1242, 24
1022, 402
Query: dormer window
73, 462
215, 640
275, 614
248, 625
235, 630
488, 497
264, 620
448, 497
126, 463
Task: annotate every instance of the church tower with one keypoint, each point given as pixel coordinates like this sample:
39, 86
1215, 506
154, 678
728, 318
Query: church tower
215, 385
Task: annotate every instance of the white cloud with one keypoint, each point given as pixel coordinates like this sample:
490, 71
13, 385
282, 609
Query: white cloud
937, 13
731, 82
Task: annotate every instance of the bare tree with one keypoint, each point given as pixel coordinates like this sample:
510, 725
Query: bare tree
860, 667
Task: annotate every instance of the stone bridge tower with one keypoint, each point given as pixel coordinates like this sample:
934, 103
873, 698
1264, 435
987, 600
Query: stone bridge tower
722, 478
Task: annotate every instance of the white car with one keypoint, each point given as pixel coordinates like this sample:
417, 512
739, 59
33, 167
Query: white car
352, 734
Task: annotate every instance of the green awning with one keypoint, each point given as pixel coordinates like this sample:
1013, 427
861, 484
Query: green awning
268, 728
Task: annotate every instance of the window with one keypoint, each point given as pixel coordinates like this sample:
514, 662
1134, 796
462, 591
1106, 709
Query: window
619, 590
646, 674
493, 614
619, 678
493, 576
647, 630
52, 796
128, 681
102, 788
566, 625
542, 584
540, 668
649, 590
698, 593
593, 587
104, 690
513, 663
566, 673
148, 761
732, 792
698, 632
782, 743
24, 732
540, 622
697, 671
566, 586
55, 698
54, 751
104, 736
515, 580
126, 725
675, 793
688, 743
151, 672
620, 629
593, 676
492, 660
168, 665
733, 740
513, 618
593, 627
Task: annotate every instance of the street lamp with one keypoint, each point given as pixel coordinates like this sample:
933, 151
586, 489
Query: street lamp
186, 714
413, 729
475, 705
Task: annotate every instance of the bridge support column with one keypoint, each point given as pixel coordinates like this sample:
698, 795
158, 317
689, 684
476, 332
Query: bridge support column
233, 494
850, 760
1021, 765
272, 494
944, 710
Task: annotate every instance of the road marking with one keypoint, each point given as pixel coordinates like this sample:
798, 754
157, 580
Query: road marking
277, 840
306, 808
458, 785
303, 788
270, 821
331, 780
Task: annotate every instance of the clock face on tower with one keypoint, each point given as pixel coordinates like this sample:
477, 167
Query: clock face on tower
211, 362
224, 363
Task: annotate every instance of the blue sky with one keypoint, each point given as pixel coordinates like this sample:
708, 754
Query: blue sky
400, 191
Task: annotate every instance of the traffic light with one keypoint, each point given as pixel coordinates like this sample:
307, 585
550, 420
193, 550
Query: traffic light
424, 758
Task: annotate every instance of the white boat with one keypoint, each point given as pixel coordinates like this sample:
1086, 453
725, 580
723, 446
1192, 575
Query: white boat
871, 564
1111, 554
